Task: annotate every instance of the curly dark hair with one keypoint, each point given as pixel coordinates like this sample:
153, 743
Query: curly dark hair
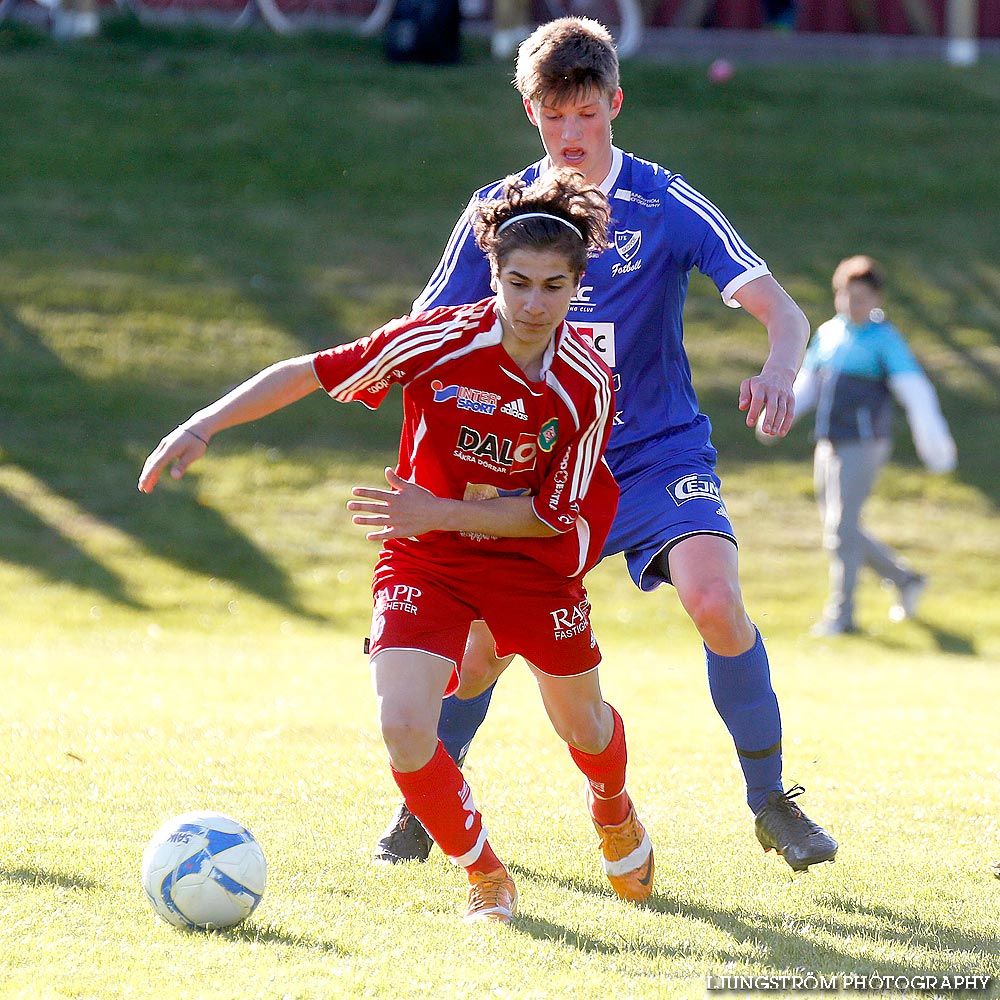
574, 219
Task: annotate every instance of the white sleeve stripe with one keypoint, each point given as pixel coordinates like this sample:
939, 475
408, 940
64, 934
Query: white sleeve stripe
709, 210
377, 367
395, 353
698, 203
739, 281
448, 262
460, 235
590, 444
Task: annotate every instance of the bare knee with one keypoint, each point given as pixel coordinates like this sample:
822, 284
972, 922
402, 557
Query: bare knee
410, 743
588, 729
713, 603
478, 673
715, 606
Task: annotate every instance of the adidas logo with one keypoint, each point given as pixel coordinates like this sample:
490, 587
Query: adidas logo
515, 408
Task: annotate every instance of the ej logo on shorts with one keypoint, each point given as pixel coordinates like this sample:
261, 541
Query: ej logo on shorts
694, 487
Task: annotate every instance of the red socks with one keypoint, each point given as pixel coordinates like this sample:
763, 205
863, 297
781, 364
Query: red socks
605, 773
439, 797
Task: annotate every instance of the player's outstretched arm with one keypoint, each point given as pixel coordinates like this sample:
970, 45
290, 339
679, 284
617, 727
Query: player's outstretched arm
770, 393
270, 390
406, 510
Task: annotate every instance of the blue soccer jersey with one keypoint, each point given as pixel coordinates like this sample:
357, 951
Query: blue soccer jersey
632, 297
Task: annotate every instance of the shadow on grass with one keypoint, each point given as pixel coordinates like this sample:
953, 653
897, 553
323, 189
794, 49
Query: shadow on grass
74, 437
950, 642
908, 929
786, 947
39, 877
946, 640
260, 934
597, 887
544, 930
856, 925
29, 541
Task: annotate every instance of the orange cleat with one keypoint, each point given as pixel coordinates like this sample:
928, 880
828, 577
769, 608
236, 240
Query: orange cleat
627, 855
492, 896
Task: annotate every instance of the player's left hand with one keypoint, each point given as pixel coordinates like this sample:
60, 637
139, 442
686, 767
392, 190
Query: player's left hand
769, 402
403, 511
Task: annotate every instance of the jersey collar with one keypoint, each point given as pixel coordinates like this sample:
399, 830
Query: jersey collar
550, 352
607, 185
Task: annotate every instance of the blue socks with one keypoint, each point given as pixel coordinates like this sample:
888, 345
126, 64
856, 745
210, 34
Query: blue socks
460, 720
741, 691
743, 696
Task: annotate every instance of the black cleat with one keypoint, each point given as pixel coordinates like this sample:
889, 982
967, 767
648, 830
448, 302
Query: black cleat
404, 839
783, 827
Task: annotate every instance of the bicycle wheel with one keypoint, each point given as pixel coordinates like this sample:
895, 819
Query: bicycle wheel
212, 13
37, 14
623, 18
286, 16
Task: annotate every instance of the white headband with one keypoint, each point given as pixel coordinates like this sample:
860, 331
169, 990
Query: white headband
537, 215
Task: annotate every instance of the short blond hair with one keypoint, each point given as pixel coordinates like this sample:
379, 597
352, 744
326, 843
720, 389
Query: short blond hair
860, 267
565, 58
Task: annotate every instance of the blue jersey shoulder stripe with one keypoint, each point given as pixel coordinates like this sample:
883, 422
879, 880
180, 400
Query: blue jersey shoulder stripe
698, 203
449, 259
461, 237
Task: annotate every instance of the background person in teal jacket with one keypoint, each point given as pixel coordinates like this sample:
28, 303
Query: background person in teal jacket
857, 366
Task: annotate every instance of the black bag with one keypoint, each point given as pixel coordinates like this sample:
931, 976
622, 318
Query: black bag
427, 31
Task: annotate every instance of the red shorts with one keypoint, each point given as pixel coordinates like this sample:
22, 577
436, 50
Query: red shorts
531, 611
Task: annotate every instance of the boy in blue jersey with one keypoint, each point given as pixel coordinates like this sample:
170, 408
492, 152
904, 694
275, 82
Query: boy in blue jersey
672, 524
856, 365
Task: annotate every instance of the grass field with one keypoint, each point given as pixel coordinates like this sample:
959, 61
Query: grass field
176, 211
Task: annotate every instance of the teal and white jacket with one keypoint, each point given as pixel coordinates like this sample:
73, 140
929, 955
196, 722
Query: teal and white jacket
851, 376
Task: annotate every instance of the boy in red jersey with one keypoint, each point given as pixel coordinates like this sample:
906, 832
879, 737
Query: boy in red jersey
499, 504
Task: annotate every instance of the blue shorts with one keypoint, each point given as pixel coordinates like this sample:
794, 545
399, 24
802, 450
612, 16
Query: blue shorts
669, 492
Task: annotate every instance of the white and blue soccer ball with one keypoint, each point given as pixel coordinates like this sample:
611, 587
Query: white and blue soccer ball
203, 870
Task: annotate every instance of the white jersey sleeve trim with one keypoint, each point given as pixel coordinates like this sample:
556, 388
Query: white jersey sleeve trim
698, 203
739, 281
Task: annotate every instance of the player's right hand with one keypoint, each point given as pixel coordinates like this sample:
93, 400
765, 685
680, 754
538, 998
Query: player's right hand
762, 436
178, 450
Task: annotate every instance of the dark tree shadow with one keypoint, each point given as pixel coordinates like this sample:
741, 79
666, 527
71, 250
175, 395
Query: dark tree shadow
74, 436
29, 541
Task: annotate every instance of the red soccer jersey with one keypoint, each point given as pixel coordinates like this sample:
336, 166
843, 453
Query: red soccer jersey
475, 427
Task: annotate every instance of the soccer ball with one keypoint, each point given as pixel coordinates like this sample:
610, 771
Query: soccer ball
203, 870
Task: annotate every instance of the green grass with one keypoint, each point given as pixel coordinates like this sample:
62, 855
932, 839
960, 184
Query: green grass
178, 210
